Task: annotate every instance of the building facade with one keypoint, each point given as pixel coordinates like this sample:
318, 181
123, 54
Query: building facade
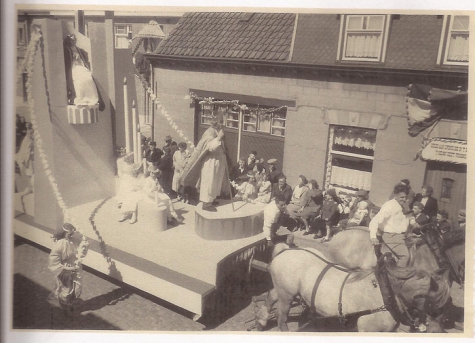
325, 94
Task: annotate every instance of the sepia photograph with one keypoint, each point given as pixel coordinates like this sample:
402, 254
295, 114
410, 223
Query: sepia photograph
250, 171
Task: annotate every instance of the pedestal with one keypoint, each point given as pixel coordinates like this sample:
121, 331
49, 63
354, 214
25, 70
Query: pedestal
245, 220
152, 216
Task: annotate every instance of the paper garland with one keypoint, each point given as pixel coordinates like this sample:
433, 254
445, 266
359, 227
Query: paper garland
28, 65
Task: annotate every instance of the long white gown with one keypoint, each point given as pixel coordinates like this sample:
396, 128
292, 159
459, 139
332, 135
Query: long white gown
86, 91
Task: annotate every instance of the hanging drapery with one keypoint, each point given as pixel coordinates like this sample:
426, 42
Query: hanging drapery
458, 48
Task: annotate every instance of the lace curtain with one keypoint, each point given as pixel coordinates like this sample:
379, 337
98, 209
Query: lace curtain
355, 138
350, 178
363, 45
458, 49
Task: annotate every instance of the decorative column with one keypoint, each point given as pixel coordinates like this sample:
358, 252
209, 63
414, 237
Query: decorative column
128, 145
136, 146
239, 135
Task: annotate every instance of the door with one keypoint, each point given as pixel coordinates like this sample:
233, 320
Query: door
449, 181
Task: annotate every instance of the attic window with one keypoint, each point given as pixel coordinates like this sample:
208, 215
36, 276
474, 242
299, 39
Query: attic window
454, 40
246, 17
363, 38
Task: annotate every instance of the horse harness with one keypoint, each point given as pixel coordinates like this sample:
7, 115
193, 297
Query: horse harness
342, 318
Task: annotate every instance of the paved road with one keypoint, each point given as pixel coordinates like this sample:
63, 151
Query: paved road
109, 305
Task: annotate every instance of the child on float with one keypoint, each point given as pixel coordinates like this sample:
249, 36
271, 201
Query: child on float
247, 191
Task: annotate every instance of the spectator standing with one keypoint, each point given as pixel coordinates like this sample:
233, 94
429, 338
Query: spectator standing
165, 166
274, 173
430, 203
330, 213
180, 159
153, 154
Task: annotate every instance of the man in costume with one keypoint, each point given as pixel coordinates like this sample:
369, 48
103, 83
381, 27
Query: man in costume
207, 167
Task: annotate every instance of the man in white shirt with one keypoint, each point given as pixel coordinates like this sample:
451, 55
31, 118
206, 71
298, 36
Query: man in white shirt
273, 213
389, 226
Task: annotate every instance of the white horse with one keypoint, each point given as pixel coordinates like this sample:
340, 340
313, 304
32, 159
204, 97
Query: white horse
296, 271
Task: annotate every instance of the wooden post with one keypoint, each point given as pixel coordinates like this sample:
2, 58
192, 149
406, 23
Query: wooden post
128, 145
79, 21
239, 135
145, 105
139, 145
136, 146
153, 120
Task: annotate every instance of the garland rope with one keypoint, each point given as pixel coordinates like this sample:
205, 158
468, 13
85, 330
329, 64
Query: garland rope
32, 49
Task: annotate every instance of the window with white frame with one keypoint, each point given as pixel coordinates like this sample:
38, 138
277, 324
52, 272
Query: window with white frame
350, 158
122, 34
364, 37
456, 40
22, 34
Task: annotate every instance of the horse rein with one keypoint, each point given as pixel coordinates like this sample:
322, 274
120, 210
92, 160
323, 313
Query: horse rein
342, 318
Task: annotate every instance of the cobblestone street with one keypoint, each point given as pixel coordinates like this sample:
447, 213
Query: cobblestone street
109, 305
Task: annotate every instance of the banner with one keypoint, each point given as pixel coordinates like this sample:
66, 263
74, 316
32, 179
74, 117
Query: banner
445, 150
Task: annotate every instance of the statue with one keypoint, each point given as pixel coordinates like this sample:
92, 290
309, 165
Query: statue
81, 87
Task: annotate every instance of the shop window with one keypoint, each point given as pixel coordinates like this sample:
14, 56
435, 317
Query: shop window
206, 114
249, 121
364, 37
447, 185
231, 117
456, 40
350, 158
122, 34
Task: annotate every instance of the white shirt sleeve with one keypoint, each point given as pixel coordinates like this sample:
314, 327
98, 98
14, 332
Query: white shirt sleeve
378, 220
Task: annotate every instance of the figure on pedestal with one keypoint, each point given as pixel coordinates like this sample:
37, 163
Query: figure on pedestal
207, 166
81, 88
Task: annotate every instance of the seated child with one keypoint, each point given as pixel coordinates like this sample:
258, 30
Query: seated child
154, 192
247, 191
359, 215
265, 187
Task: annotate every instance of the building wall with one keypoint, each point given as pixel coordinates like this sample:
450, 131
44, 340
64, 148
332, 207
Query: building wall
307, 130
80, 156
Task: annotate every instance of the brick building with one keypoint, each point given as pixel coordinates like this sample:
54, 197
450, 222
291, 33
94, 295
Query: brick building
325, 94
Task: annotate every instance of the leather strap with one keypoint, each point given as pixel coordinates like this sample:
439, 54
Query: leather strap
317, 284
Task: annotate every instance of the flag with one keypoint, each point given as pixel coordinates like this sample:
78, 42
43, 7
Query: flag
425, 105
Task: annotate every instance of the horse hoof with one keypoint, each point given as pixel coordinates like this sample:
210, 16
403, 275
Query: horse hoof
259, 327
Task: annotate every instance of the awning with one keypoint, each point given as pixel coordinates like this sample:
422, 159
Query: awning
151, 30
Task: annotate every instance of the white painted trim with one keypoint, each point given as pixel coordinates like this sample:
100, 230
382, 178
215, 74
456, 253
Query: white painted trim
442, 39
447, 38
292, 43
387, 23
339, 53
162, 289
349, 154
384, 33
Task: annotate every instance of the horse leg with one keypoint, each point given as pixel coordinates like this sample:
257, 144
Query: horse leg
264, 312
283, 308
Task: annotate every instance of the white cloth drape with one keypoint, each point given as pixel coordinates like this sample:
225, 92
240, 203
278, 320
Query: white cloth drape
352, 178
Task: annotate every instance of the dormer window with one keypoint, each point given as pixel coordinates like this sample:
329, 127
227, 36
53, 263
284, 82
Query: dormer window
455, 40
364, 38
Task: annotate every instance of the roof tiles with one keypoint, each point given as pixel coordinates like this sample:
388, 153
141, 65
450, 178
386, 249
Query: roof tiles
226, 35
413, 40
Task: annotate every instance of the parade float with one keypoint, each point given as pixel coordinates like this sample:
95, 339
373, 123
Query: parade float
200, 265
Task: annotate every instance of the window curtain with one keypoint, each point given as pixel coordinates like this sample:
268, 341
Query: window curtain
364, 45
352, 178
355, 138
458, 48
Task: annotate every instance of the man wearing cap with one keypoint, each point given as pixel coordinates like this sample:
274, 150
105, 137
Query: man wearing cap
460, 220
169, 142
274, 173
387, 229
